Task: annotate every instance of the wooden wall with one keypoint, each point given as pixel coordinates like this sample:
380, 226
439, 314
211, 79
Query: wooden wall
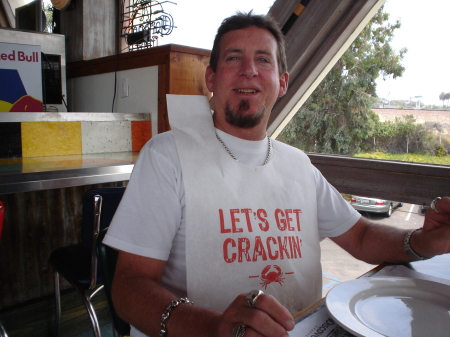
183, 75
91, 29
35, 224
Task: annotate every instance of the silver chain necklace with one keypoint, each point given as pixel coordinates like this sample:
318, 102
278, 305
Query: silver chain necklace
232, 155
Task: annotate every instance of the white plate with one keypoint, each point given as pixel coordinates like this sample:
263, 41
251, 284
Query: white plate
391, 306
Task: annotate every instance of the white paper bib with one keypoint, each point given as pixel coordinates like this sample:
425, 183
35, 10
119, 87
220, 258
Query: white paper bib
246, 227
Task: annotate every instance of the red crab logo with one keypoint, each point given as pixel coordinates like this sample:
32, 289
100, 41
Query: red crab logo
267, 277
271, 274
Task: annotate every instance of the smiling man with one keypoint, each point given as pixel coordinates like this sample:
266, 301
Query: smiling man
215, 208
249, 77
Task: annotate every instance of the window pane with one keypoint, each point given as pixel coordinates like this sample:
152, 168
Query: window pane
385, 98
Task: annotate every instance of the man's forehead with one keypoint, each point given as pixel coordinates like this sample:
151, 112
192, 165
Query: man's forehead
264, 43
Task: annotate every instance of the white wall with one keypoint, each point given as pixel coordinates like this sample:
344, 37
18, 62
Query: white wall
96, 93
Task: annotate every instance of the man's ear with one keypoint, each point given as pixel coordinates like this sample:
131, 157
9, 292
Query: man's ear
284, 82
210, 76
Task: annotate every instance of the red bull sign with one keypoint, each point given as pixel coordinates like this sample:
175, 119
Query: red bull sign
20, 78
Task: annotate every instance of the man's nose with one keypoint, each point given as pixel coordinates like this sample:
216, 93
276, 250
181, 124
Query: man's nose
249, 68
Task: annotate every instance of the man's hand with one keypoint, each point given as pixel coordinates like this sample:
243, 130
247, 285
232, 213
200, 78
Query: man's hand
140, 300
268, 318
376, 244
434, 238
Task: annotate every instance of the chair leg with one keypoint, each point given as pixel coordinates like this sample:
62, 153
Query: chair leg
91, 311
86, 301
3, 331
57, 303
93, 317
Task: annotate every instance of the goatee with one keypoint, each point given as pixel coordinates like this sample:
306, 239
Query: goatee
240, 118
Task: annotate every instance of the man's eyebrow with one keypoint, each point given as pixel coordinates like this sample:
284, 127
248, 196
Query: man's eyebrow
232, 50
264, 52
238, 50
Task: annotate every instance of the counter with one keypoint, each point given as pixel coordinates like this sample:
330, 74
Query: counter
43, 173
40, 151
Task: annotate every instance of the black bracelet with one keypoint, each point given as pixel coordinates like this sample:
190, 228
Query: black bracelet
166, 315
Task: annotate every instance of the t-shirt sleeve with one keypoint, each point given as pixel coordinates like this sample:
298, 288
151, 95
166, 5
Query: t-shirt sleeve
335, 215
150, 212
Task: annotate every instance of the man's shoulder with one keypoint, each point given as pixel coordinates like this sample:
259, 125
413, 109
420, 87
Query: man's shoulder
160, 142
290, 150
161, 147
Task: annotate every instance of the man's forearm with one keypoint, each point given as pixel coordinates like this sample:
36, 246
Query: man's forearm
374, 244
384, 244
141, 302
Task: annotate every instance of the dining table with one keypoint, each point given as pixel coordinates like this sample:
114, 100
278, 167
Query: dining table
385, 301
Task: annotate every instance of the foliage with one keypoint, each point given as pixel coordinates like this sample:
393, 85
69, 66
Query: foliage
440, 151
401, 136
48, 11
337, 117
444, 96
425, 158
404, 136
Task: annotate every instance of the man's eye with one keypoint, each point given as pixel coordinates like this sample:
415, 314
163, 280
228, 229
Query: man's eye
233, 58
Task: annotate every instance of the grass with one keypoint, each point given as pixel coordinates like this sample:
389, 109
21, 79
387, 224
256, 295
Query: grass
408, 157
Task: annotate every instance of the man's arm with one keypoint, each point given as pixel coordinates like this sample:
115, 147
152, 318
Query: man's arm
140, 300
376, 244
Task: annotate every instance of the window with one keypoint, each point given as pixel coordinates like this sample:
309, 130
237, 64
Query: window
310, 59
34, 15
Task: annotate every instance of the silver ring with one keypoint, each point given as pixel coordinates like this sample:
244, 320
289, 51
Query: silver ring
239, 330
433, 204
252, 296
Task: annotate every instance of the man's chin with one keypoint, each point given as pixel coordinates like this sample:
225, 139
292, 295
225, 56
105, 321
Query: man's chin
245, 119
250, 110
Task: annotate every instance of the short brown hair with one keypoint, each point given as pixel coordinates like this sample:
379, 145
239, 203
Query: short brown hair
243, 20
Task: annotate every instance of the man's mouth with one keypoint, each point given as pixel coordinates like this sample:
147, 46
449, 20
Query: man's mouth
246, 91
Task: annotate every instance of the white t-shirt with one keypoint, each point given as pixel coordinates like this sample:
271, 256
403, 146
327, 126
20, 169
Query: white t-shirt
150, 220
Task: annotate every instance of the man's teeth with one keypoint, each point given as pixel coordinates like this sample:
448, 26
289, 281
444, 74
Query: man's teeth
246, 91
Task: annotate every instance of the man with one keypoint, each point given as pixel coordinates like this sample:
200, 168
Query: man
215, 208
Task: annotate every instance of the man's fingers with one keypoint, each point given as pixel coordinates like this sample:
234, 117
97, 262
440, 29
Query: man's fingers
261, 323
267, 318
268, 304
441, 205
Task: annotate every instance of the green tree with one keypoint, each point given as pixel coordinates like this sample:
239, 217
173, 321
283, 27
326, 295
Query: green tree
336, 118
382, 133
48, 11
401, 136
440, 151
447, 97
406, 128
442, 98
